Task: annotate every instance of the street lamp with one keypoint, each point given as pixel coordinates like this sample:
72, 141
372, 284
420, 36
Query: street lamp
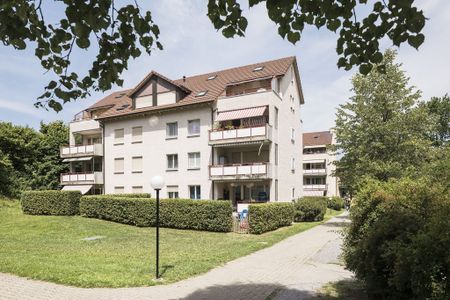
157, 184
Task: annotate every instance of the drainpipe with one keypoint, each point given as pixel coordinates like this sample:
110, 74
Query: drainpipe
103, 157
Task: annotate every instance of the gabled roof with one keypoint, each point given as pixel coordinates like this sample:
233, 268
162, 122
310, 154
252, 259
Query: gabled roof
195, 84
318, 138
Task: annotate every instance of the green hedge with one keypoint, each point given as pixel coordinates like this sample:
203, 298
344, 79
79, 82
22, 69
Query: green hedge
310, 209
269, 216
136, 195
206, 215
336, 203
51, 202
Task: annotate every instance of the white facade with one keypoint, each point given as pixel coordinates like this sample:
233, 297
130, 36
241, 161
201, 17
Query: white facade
247, 158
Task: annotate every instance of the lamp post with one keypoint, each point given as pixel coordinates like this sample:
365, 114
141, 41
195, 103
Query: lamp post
157, 184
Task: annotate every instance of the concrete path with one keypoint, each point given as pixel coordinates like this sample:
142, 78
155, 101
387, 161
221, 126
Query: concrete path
291, 269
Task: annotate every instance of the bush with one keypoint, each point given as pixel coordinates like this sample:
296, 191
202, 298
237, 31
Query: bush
207, 215
269, 216
336, 203
51, 202
398, 240
310, 209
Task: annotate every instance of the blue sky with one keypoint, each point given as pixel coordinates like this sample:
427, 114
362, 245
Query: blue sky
192, 46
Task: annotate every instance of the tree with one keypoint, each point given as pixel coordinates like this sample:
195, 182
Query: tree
121, 33
30, 159
439, 109
381, 132
49, 165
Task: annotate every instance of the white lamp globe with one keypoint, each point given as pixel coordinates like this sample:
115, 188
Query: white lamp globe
157, 182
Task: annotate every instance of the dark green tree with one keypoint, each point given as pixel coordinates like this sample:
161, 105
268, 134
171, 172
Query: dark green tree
121, 32
439, 109
381, 132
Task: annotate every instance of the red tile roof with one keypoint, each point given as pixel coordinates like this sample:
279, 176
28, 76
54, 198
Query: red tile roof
317, 138
196, 84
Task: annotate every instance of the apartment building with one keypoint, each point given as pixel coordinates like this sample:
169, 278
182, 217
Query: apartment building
232, 134
318, 165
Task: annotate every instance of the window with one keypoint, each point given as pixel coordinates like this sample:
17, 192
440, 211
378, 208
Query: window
194, 160
276, 154
293, 164
119, 190
201, 94
118, 165
194, 191
211, 77
293, 193
172, 161
314, 180
172, 191
118, 136
293, 134
276, 118
136, 164
276, 189
194, 127
136, 134
137, 189
260, 68
172, 130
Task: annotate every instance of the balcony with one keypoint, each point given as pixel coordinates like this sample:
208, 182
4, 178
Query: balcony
237, 135
81, 150
315, 187
86, 126
240, 171
313, 172
82, 178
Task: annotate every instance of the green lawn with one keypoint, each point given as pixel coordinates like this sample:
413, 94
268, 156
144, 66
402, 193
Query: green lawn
52, 248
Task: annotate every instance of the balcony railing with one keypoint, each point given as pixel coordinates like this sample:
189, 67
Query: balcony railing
315, 187
81, 150
82, 178
254, 133
240, 171
315, 171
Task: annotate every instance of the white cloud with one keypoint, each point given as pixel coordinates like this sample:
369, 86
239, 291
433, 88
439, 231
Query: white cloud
23, 108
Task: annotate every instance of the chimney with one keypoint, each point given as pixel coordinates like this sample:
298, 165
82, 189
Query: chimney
184, 78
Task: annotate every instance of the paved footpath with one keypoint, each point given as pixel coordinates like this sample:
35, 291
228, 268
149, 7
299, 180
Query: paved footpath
291, 269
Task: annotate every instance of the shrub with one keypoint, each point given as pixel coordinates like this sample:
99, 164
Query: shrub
136, 195
269, 216
207, 215
50, 202
398, 240
310, 209
336, 203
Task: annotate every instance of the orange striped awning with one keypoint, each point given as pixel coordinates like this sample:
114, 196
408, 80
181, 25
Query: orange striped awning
241, 113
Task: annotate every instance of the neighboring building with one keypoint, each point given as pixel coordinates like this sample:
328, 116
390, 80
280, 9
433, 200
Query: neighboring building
231, 134
318, 165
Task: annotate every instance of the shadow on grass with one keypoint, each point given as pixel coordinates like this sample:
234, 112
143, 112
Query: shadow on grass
349, 289
164, 269
249, 291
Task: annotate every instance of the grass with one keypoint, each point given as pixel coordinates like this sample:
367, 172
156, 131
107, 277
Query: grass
52, 248
349, 289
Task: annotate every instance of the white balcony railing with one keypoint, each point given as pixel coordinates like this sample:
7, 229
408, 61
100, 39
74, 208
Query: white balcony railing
85, 125
314, 187
240, 171
81, 150
246, 133
314, 171
82, 178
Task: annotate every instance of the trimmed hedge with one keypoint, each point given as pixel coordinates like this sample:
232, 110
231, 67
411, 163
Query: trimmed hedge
136, 195
310, 209
336, 203
269, 216
64, 203
209, 215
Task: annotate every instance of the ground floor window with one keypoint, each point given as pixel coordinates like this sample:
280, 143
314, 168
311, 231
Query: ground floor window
194, 191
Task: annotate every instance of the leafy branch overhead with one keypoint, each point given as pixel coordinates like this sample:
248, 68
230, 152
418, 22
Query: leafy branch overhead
120, 33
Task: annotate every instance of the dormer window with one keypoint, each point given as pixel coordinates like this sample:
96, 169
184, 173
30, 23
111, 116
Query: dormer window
260, 68
212, 77
201, 94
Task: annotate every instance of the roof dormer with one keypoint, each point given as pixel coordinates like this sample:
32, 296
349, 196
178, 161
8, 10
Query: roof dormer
156, 90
